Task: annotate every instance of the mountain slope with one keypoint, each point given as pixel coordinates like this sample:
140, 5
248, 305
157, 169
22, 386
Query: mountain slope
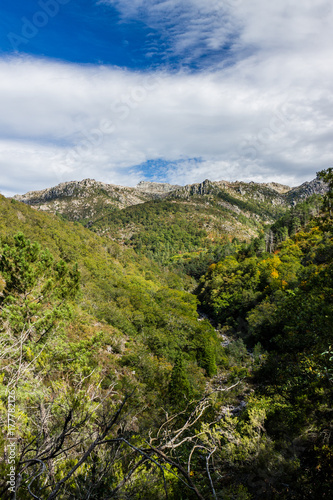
163, 220
73, 357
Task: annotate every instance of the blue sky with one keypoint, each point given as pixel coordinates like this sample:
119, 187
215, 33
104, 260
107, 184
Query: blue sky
166, 90
82, 32
92, 32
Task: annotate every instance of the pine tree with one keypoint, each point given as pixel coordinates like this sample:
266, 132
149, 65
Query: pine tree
327, 176
35, 293
179, 386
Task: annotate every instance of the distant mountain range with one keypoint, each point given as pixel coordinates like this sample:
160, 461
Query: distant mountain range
163, 220
86, 199
78, 193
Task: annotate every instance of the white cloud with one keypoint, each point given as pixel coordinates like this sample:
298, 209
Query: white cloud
193, 28
189, 27
266, 117
66, 122
27, 165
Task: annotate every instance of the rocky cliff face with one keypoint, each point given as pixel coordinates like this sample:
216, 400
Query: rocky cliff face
240, 190
202, 188
273, 193
307, 189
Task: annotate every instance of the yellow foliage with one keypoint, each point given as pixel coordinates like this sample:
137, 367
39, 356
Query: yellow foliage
2, 284
274, 274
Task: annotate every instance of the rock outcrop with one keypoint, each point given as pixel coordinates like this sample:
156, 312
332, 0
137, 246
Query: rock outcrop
156, 187
307, 189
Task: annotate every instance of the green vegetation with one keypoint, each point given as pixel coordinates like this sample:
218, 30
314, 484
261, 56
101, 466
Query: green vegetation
156, 229
296, 218
74, 353
119, 389
185, 236
284, 301
264, 209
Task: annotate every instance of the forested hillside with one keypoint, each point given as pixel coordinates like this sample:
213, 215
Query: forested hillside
114, 386
175, 224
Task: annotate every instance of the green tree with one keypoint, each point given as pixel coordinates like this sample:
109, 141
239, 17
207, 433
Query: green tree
35, 291
179, 387
327, 176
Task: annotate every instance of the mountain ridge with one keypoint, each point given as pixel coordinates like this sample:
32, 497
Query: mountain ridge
219, 208
145, 189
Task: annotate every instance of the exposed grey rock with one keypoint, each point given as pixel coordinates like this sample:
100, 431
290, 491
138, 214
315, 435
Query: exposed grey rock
156, 187
78, 200
65, 189
200, 188
279, 188
316, 186
232, 410
77, 194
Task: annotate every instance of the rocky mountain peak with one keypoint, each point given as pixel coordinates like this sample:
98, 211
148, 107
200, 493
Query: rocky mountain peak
64, 189
316, 186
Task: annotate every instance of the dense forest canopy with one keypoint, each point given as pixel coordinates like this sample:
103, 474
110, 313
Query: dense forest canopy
176, 366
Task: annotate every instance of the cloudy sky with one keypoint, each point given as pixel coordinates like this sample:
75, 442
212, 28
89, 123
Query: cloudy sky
173, 91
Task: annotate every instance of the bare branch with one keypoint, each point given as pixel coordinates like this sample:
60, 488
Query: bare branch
210, 477
93, 445
35, 477
190, 457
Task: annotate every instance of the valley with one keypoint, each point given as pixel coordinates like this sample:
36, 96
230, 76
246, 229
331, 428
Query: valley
167, 341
